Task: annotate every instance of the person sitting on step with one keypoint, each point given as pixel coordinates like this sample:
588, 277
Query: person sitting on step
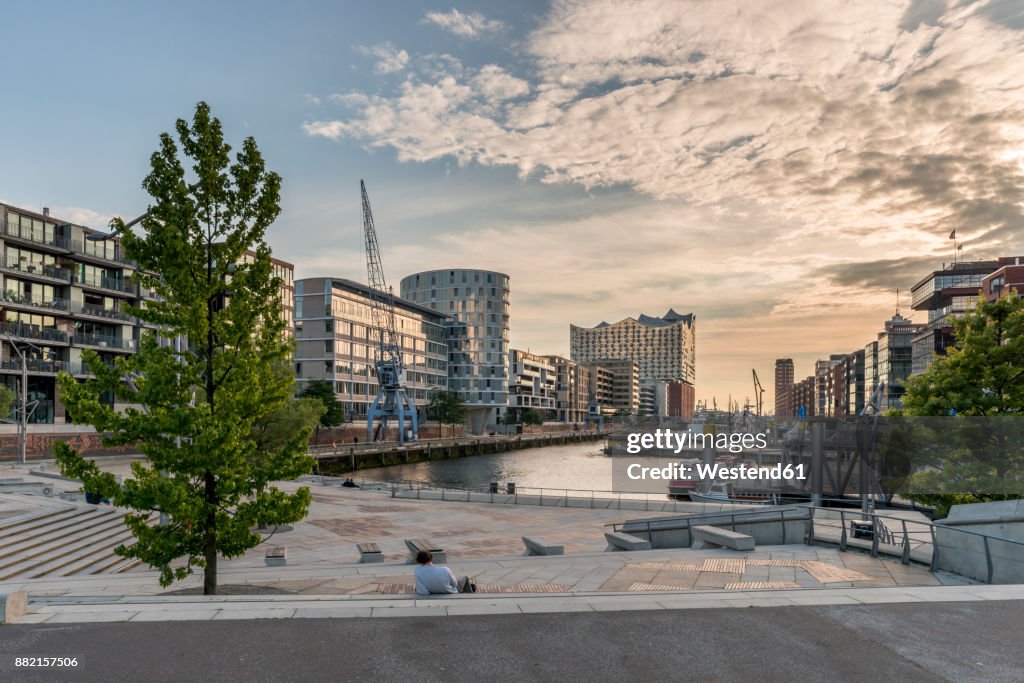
433, 580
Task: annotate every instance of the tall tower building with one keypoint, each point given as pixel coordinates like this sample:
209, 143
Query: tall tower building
783, 389
477, 302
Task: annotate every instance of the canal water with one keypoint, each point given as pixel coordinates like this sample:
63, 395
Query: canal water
581, 467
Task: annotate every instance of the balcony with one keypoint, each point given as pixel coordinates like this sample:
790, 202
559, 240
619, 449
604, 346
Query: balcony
33, 236
32, 301
90, 250
101, 312
102, 341
34, 365
23, 331
36, 270
113, 284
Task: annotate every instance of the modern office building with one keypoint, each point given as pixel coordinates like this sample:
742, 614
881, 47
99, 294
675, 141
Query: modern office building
784, 375
533, 384
61, 294
285, 271
946, 295
477, 303
854, 380
336, 340
654, 397
895, 359
663, 349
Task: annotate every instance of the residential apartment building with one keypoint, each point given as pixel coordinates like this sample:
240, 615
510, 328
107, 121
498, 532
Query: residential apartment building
533, 384
337, 340
572, 389
61, 293
477, 302
784, 375
663, 349
601, 389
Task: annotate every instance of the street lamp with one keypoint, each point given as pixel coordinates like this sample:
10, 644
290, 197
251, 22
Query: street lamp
23, 412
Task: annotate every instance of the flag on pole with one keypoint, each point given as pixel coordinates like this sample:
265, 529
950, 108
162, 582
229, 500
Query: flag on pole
952, 235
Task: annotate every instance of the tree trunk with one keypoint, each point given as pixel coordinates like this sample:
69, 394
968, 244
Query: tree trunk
210, 543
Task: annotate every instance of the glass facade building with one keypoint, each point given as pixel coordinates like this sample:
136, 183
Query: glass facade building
336, 340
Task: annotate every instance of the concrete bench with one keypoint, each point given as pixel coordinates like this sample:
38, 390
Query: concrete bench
704, 536
415, 545
276, 556
535, 546
619, 541
369, 553
21, 486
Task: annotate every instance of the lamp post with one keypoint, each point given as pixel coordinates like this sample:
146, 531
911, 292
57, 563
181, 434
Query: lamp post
23, 411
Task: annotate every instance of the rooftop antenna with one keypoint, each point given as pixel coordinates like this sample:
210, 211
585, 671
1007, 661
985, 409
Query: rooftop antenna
897, 301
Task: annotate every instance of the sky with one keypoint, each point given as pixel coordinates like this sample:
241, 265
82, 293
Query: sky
780, 168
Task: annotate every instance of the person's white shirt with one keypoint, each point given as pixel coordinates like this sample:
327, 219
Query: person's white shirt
431, 579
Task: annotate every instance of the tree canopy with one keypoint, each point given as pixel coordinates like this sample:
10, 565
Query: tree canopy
195, 407
323, 391
447, 407
964, 414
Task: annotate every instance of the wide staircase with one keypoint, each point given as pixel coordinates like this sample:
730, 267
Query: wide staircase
65, 541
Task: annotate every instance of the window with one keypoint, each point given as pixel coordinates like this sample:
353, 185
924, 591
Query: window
329, 326
298, 368
328, 346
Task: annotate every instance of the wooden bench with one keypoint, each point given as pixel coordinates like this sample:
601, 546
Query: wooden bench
276, 556
415, 545
704, 536
535, 546
619, 541
369, 553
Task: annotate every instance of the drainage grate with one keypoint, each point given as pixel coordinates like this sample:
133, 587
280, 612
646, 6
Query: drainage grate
759, 585
730, 565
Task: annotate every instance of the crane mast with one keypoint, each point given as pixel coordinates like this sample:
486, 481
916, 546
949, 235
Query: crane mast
392, 401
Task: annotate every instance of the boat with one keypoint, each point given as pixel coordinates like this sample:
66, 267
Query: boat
722, 492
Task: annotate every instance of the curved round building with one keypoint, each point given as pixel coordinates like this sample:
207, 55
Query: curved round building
477, 303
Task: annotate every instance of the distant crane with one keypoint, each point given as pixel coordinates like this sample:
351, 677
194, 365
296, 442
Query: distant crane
392, 400
758, 394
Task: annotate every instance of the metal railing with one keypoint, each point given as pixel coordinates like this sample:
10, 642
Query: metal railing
34, 365
101, 312
13, 297
104, 282
34, 268
25, 331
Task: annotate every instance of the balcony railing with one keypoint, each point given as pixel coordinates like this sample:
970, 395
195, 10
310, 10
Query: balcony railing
16, 329
116, 255
103, 341
101, 312
115, 284
33, 235
12, 297
34, 365
30, 268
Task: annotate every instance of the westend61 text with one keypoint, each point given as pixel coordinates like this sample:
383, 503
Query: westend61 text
666, 439
716, 471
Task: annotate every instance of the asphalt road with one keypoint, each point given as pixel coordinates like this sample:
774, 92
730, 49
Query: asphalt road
958, 641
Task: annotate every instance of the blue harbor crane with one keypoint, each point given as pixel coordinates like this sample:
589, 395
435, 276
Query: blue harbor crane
392, 400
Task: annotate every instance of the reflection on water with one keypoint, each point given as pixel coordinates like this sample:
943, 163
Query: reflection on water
579, 466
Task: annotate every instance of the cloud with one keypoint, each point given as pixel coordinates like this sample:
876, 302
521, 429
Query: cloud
389, 58
811, 157
470, 25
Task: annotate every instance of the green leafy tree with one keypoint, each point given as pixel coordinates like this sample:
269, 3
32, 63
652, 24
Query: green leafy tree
978, 455
334, 412
6, 400
529, 416
447, 407
196, 413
